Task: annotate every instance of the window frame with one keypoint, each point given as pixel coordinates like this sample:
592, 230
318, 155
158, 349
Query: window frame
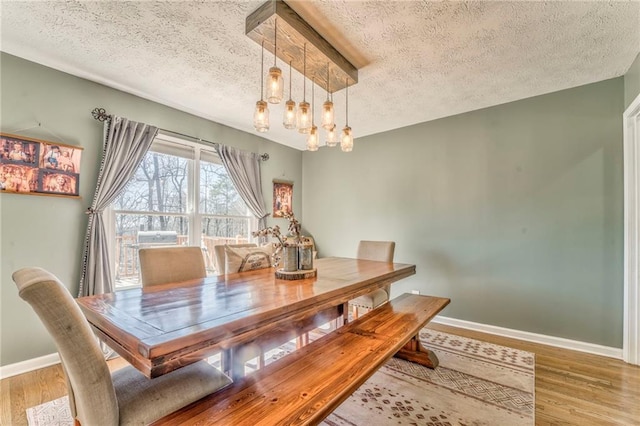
170, 145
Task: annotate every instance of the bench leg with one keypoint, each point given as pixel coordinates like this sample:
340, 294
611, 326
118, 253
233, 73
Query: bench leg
414, 351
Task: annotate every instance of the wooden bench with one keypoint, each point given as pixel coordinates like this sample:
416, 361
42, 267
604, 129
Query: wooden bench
307, 385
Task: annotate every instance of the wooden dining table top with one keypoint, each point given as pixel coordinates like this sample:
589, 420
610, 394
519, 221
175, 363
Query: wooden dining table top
161, 328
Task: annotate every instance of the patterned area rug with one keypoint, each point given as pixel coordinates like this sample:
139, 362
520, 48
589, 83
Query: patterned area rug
476, 383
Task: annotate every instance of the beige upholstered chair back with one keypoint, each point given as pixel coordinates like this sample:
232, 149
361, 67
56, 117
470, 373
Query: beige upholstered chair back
91, 392
218, 253
162, 265
376, 250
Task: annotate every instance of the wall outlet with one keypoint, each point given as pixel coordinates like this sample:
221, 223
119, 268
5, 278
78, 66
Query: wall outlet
415, 291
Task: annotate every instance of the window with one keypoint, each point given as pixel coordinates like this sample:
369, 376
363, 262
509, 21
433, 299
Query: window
180, 195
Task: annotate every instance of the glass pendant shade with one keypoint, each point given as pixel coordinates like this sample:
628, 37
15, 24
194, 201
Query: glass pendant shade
327, 115
304, 117
312, 139
275, 85
261, 117
332, 136
290, 118
346, 139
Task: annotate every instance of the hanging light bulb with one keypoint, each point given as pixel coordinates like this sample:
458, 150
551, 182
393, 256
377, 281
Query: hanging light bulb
346, 138
327, 114
275, 81
304, 109
304, 114
327, 108
332, 136
261, 114
261, 117
312, 139
289, 121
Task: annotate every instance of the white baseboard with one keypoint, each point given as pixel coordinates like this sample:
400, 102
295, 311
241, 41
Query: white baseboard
558, 342
28, 365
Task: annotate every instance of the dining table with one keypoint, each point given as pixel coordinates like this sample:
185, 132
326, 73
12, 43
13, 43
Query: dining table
161, 328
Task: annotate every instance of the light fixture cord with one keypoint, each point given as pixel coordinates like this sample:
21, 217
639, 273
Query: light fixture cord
347, 103
275, 41
290, 78
313, 91
304, 74
262, 70
327, 80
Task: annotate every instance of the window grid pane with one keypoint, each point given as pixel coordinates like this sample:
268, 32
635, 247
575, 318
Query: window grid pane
154, 210
159, 185
218, 196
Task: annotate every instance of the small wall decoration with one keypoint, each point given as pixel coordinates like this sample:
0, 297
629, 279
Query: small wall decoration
282, 198
33, 166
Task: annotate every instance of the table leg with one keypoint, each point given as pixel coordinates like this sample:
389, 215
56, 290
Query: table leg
345, 314
343, 317
414, 351
225, 361
240, 355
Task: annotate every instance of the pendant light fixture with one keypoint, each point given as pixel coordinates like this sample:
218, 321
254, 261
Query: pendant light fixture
261, 114
304, 110
275, 81
332, 136
346, 138
327, 108
308, 52
312, 139
289, 121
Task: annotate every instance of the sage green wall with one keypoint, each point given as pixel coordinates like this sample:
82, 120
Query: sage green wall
514, 211
49, 231
632, 82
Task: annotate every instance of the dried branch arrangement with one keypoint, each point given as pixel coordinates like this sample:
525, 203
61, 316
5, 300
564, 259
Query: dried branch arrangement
293, 239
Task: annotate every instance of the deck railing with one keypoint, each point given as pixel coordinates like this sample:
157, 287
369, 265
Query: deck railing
126, 255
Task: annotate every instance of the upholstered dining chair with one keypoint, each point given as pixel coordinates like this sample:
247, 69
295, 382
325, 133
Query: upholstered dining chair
161, 265
219, 256
382, 251
97, 397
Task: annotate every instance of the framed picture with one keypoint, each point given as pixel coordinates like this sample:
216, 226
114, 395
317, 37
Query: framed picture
282, 198
34, 166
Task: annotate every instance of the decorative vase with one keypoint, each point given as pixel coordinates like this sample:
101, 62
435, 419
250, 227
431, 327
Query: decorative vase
290, 258
305, 256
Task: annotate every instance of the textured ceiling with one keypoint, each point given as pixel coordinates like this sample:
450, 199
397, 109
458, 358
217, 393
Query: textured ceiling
418, 60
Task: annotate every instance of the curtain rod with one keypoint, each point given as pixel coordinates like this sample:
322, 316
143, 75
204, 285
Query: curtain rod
101, 115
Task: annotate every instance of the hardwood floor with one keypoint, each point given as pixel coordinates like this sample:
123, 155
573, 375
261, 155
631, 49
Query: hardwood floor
572, 388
